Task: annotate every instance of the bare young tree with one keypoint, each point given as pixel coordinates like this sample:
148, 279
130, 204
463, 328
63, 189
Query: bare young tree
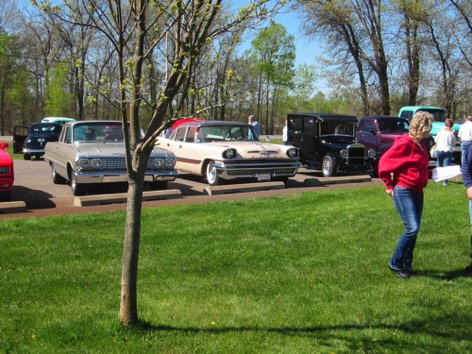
135, 29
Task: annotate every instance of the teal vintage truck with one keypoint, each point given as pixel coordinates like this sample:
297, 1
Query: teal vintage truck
440, 116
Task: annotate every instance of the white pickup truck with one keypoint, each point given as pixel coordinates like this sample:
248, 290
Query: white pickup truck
93, 152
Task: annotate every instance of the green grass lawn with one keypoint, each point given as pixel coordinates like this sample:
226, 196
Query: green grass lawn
305, 273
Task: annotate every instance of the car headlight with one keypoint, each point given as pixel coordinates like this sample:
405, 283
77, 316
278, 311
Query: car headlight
96, 163
371, 153
4, 170
229, 154
157, 164
169, 163
292, 152
344, 153
83, 163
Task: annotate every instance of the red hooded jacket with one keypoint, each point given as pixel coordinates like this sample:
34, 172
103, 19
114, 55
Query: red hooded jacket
405, 164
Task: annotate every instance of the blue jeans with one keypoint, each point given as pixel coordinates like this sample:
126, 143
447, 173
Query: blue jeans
444, 159
464, 146
410, 207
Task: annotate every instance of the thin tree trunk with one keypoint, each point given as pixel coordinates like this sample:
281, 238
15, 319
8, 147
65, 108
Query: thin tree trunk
129, 271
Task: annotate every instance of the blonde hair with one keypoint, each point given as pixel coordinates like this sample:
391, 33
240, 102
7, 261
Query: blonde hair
421, 123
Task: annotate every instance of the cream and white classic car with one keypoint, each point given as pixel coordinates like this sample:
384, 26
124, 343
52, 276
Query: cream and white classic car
223, 150
92, 152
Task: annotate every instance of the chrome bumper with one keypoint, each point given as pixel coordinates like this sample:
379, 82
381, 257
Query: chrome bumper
260, 171
33, 151
110, 177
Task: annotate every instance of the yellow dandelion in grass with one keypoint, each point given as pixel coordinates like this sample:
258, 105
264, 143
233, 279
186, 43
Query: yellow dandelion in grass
213, 323
33, 336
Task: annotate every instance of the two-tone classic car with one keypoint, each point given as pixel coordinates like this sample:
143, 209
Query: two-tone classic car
327, 142
6, 172
223, 150
92, 152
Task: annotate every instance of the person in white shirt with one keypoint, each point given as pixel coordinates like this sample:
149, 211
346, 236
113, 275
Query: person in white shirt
445, 142
285, 133
465, 136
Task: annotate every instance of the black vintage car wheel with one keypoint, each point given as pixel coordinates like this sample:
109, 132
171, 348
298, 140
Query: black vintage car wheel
27, 157
329, 166
77, 189
211, 174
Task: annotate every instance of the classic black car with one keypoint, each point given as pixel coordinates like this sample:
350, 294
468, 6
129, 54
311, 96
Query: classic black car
38, 135
327, 142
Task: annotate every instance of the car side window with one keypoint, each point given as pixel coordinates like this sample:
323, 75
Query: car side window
179, 134
190, 135
67, 135
407, 114
295, 124
369, 126
310, 126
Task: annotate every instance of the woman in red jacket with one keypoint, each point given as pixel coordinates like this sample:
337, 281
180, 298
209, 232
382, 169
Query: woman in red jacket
404, 170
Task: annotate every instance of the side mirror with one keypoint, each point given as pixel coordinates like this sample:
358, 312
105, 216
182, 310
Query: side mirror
3, 145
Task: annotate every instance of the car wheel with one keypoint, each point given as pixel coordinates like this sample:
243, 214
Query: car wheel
77, 189
159, 185
56, 179
328, 166
211, 174
27, 157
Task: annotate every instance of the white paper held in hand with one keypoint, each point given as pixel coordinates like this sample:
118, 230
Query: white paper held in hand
447, 172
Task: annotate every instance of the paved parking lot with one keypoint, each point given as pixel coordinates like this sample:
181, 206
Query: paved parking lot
33, 185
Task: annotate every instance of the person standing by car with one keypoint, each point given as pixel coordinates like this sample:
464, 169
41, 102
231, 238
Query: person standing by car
465, 136
285, 133
404, 170
255, 125
445, 142
466, 170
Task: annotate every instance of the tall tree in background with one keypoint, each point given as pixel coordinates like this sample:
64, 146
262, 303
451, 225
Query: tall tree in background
273, 56
59, 101
6, 73
411, 12
334, 20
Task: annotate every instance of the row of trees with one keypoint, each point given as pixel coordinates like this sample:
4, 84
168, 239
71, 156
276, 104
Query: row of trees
396, 52
378, 56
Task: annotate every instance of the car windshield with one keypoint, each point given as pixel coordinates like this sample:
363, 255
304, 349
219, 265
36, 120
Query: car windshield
212, 133
105, 132
439, 115
45, 129
337, 128
392, 125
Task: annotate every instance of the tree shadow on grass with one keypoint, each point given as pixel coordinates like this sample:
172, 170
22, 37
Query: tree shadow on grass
388, 339
450, 275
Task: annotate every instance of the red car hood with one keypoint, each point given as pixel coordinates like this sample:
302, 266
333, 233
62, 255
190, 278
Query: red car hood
5, 158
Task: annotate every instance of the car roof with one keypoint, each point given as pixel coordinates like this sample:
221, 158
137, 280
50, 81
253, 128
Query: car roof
419, 108
207, 123
54, 119
384, 117
326, 117
89, 122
